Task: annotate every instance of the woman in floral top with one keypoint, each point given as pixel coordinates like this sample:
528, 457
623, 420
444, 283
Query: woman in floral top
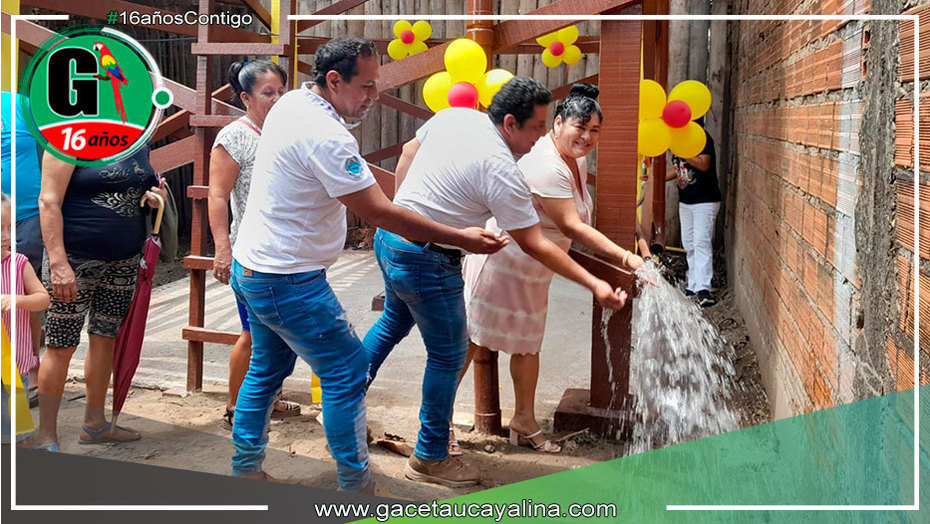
257, 86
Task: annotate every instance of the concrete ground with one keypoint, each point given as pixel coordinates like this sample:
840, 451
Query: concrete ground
187, 432
356, 278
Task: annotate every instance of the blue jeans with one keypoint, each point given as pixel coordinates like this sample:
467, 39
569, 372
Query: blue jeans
424, 287
299, 315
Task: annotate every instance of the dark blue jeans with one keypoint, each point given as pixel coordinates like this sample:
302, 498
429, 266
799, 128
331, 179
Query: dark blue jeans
424, 287
291, 316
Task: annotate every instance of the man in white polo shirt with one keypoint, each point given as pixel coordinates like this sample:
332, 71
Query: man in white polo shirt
460, 170
307, 171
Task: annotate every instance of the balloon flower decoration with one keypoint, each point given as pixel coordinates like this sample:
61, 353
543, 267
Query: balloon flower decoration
464, 83
560, 47
669, 123
410, 39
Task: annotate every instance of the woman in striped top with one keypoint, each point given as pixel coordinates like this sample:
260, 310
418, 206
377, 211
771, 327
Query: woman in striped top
30, 296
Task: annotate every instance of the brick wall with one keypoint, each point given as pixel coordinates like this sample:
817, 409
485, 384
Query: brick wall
900, 343
797, 110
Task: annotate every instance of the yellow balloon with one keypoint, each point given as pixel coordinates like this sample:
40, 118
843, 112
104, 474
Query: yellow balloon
397, 49
572, 54
547, 39
465, 61
417, 47
422, 30
491, 83
693, 93
436, 91
568, 35
400, 26
549, 59
688, 141
651, 100
653, 137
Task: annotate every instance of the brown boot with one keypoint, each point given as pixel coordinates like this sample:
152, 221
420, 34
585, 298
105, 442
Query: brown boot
452, 471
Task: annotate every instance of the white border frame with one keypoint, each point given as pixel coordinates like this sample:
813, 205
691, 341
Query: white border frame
916, 246
916, 21
14, 78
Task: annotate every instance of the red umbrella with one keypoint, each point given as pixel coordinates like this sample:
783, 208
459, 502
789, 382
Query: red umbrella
132, 331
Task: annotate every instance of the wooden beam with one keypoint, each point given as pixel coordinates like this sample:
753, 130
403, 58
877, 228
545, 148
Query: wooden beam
335, 9
385, 179
186, 98
259, 10
508, 35
563, 91
412, 68
198, 263
199, 334
98, 9
405, 107
588, 44
511, 33
174, 155
238, 48
26, 32
171, 125
212, 120
309, 44
181, 119
385, 153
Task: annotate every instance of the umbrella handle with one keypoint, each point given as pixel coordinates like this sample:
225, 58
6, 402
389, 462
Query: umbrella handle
161, 209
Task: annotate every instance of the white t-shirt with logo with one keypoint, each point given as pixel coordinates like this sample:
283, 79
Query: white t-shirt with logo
464, 173
306, 158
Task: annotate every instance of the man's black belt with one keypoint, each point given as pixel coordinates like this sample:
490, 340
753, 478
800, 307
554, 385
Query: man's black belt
454, 255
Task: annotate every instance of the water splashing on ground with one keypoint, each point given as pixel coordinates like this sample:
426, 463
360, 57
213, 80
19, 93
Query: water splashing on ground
681, 372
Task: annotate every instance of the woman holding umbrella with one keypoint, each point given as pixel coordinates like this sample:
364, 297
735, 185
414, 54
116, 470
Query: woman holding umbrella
94, 232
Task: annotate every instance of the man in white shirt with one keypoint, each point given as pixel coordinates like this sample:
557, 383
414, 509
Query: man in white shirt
307, 171
460, 170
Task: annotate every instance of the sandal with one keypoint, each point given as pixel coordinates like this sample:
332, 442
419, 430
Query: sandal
101, 435
455, 450
291, 409
546, 446
52, 448
230, 415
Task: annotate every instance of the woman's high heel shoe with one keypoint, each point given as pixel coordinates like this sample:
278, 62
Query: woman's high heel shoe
546, 446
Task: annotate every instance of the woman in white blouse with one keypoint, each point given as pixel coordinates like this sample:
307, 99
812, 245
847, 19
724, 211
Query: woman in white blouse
507, 293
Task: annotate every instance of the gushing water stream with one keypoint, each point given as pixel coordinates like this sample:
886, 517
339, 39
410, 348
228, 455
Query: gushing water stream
681, 373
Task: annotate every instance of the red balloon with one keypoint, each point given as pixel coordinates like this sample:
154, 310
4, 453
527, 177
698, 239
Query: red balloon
556, 48
677, 114
407, 36
463, 94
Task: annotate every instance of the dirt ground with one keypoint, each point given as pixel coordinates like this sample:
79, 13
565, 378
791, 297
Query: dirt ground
187, 433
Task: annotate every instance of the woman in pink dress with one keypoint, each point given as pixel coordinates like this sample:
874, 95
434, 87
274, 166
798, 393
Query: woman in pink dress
507, 293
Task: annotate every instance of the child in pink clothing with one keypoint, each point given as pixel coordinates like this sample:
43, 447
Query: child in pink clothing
30, 296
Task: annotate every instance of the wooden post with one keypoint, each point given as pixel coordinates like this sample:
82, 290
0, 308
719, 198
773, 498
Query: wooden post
603, 407
616, 185
487, 390
655, 67
204, 106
